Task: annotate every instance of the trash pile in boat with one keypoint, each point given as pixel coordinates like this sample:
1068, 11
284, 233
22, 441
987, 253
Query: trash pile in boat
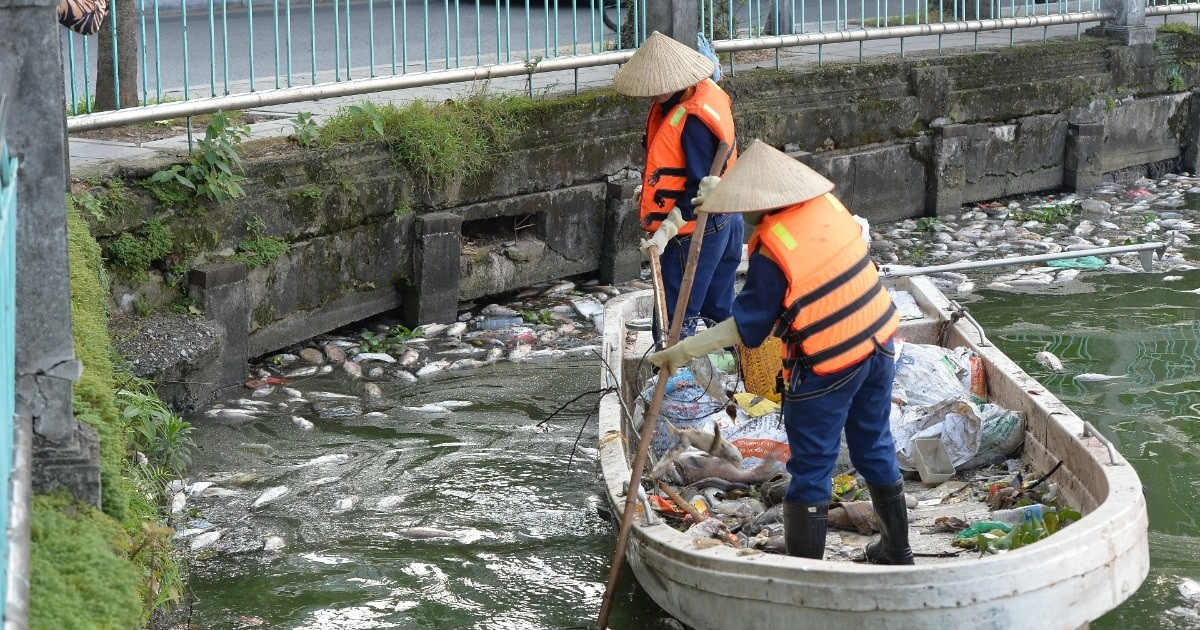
718, 456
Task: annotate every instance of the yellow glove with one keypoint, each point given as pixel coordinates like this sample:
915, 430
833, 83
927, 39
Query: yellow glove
706, 187
665, 232
720, 336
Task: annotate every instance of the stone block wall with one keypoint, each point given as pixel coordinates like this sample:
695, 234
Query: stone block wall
901, 138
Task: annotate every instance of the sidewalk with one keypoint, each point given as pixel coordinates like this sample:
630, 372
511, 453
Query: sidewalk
86, 154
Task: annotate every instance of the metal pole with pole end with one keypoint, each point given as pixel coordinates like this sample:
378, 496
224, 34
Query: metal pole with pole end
1145, 254
650, 421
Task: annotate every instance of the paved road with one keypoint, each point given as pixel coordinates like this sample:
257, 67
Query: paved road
514, 31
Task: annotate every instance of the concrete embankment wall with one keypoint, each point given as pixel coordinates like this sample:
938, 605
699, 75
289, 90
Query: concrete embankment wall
901, 138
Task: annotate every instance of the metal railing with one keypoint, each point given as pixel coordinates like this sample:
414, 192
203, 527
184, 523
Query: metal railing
8, 339
309, 50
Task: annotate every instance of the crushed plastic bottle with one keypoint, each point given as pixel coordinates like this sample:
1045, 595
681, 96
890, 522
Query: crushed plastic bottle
1018, 515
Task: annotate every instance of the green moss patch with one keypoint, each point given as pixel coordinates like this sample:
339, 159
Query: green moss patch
78, 575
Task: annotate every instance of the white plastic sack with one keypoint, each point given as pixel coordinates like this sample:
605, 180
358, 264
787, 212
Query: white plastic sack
955, 422
930, 374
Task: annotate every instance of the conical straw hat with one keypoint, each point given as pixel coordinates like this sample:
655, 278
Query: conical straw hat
765, 178
661, 65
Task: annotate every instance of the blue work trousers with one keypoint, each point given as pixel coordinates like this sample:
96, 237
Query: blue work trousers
818, 408
716, 270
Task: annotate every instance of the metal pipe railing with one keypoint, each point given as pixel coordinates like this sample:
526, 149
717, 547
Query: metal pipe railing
166, 111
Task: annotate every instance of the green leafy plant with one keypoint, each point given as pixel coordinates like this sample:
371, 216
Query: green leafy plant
305, 131
544, 316
162, 436
86, 202
1178, 28
1044, 214
1110, 102
210, 171
391, 340
1175, 83
929, 224
255, 224
401, 210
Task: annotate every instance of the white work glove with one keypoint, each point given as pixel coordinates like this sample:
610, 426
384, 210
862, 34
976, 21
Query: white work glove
665, 232
705, 189
722, 335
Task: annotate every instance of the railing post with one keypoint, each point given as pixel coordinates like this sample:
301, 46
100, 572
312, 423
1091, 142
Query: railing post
31, 75
679, 19
1129, 27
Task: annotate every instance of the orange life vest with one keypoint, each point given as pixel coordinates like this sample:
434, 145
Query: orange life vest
835, 308
665, 176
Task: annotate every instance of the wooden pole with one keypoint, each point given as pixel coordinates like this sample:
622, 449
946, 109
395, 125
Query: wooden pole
660, 297
724, 149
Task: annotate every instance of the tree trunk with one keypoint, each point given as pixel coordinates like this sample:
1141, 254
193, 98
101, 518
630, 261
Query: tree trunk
127, 58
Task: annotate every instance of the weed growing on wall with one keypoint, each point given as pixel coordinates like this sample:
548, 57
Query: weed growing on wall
210, 171
259, 250
435, 143
304, 131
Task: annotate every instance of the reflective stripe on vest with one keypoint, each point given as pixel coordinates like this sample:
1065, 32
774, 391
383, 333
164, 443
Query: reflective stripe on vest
835, 309
665, 177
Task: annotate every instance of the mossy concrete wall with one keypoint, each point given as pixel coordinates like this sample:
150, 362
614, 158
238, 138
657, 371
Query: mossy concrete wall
901, 138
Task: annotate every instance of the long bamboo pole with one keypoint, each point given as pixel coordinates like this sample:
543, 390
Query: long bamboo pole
649, 423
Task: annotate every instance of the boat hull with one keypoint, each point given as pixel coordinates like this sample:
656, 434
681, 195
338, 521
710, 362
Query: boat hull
1063, 581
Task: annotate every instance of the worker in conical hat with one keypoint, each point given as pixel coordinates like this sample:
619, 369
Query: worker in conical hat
811, 282
689, 136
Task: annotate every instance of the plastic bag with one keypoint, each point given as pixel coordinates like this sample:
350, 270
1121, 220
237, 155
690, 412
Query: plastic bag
931, 374
955, 422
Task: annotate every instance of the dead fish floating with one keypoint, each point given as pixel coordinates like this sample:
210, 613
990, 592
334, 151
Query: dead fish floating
1092, 377
336, 458
421, 533
270, 495
374, 356
1049, 361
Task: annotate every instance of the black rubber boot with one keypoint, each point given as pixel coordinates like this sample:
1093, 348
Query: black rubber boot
892, 515
804, 529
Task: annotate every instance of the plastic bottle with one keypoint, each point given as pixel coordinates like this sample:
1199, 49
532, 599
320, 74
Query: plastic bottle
497, 322
1017, 515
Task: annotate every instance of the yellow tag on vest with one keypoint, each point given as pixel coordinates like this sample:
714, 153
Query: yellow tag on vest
677, 116
784, 236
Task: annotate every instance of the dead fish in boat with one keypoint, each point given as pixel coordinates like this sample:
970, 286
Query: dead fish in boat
1091, 377
336, 458
422, 533
270, 494
1049, 361
711, 443
691, 468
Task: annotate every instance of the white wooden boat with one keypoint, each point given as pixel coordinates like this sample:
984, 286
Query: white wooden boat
1063, 581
